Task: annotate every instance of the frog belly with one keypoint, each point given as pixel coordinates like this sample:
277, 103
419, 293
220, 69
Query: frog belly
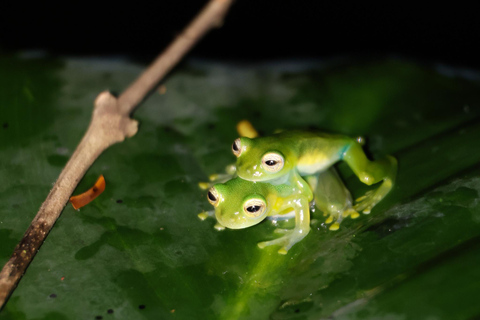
283, 216
318, 160
308, 169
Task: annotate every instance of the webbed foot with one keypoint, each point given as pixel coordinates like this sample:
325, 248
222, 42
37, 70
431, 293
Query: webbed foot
352, 213
366, 202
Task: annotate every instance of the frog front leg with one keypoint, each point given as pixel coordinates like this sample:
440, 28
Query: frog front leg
371, 172
230, 173
301, 229
210, 214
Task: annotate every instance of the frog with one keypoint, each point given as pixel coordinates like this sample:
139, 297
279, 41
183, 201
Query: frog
240, 203
284, 157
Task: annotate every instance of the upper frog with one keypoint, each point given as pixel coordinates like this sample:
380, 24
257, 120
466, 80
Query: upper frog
279, 157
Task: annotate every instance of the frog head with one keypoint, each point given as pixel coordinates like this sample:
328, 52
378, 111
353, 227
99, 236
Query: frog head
240, 204
264, 158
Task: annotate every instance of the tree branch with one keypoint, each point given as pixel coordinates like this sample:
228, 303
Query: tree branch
110, 123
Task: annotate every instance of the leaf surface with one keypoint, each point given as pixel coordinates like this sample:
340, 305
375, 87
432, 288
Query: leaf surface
138, 251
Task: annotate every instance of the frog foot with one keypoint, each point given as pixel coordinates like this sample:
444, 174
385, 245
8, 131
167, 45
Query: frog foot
352, 213
335, 225
214, 179
219, 227
290, 238
218, 178
366, 202
206, 214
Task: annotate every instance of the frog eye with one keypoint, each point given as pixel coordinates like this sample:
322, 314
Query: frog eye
272, 162
213, 196
237, 147
254, 207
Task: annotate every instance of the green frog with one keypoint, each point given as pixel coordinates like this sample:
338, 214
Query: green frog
241, 204
284, 157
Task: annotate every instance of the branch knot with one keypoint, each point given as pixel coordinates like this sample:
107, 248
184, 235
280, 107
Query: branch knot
109, 123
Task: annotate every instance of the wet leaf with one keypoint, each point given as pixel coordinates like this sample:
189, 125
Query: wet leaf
138, 251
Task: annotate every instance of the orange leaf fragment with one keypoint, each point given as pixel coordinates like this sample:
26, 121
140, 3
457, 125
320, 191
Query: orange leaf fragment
88, 196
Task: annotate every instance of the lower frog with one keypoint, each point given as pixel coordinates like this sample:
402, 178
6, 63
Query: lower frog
240, 204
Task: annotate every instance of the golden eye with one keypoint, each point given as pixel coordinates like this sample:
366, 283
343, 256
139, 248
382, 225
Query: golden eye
237, 147
213, 196
272, 162
254, 207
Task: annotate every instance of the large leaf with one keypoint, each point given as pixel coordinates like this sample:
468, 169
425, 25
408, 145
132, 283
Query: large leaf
139, 250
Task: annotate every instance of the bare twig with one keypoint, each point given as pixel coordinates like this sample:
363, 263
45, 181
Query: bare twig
110, 123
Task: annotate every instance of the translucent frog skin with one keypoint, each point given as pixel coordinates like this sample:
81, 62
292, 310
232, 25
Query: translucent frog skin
284, 157
240, 204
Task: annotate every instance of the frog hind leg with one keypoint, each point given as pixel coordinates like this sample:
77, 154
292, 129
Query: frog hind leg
370, 172
332, 197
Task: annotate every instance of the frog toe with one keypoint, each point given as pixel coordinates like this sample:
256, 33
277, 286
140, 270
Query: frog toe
261, 245
206, 214
219, 227
366, 203
204, 185
352, 213
367, 195
202, 216
334, 227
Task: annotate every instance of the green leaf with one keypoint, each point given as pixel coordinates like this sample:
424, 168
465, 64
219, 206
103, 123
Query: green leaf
140, 252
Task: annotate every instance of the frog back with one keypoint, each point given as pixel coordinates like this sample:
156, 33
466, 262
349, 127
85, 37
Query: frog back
316, 151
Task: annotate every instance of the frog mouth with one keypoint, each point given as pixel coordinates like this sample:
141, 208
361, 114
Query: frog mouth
257, 174
232, 223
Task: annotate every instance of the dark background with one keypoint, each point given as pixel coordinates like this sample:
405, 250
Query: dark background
254, 30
